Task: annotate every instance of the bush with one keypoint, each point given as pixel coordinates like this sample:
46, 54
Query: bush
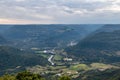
64, 78
28, 76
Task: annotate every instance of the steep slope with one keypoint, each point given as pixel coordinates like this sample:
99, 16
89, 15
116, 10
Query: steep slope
2, 40
109, 28
103, 46
3, 28
10, 58
28, 36
109, 74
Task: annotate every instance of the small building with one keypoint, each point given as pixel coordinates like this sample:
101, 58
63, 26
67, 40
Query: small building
58, 74
68, 59
48, 52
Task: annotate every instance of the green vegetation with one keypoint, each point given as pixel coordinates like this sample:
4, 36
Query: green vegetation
109, 74
12, 60
101, 66
93, 58
28, 76
7, 77
92, 66
3, 40
57, 57
80, 67
44, 55
27, 36
73, 70
64, 78
101, 47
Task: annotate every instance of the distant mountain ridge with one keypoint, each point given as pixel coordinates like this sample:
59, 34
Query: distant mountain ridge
109, 28
27, 36
2, 40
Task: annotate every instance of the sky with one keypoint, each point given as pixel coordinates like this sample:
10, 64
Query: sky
59, 11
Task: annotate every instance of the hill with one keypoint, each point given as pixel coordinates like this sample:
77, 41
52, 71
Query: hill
110, 74
42, 36
2, 40
3, 28
12, 59
102, 46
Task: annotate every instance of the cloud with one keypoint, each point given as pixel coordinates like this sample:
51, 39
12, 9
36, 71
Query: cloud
19, 0
60, 11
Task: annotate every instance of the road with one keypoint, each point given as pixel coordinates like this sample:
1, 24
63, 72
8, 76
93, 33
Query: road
50, 59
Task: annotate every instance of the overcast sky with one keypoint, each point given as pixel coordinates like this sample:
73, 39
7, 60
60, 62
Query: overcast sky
59, 11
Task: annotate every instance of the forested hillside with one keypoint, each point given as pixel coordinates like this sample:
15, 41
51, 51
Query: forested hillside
102, 46
12, 59
42, 36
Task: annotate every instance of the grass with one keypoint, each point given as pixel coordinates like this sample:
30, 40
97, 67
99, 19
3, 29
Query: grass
57, 57
44, 55
101, 66
80, 67
92, 66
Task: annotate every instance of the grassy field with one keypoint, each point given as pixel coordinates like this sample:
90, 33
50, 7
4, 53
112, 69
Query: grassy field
101, 66
57, 57
73, 70
92, 66
80, 67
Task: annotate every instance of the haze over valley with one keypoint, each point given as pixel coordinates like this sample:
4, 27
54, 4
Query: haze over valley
80, 51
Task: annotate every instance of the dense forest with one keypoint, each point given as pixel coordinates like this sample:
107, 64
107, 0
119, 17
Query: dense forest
103, 45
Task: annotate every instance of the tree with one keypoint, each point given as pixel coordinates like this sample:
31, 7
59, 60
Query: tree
28, 76
64, 78
7, 77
